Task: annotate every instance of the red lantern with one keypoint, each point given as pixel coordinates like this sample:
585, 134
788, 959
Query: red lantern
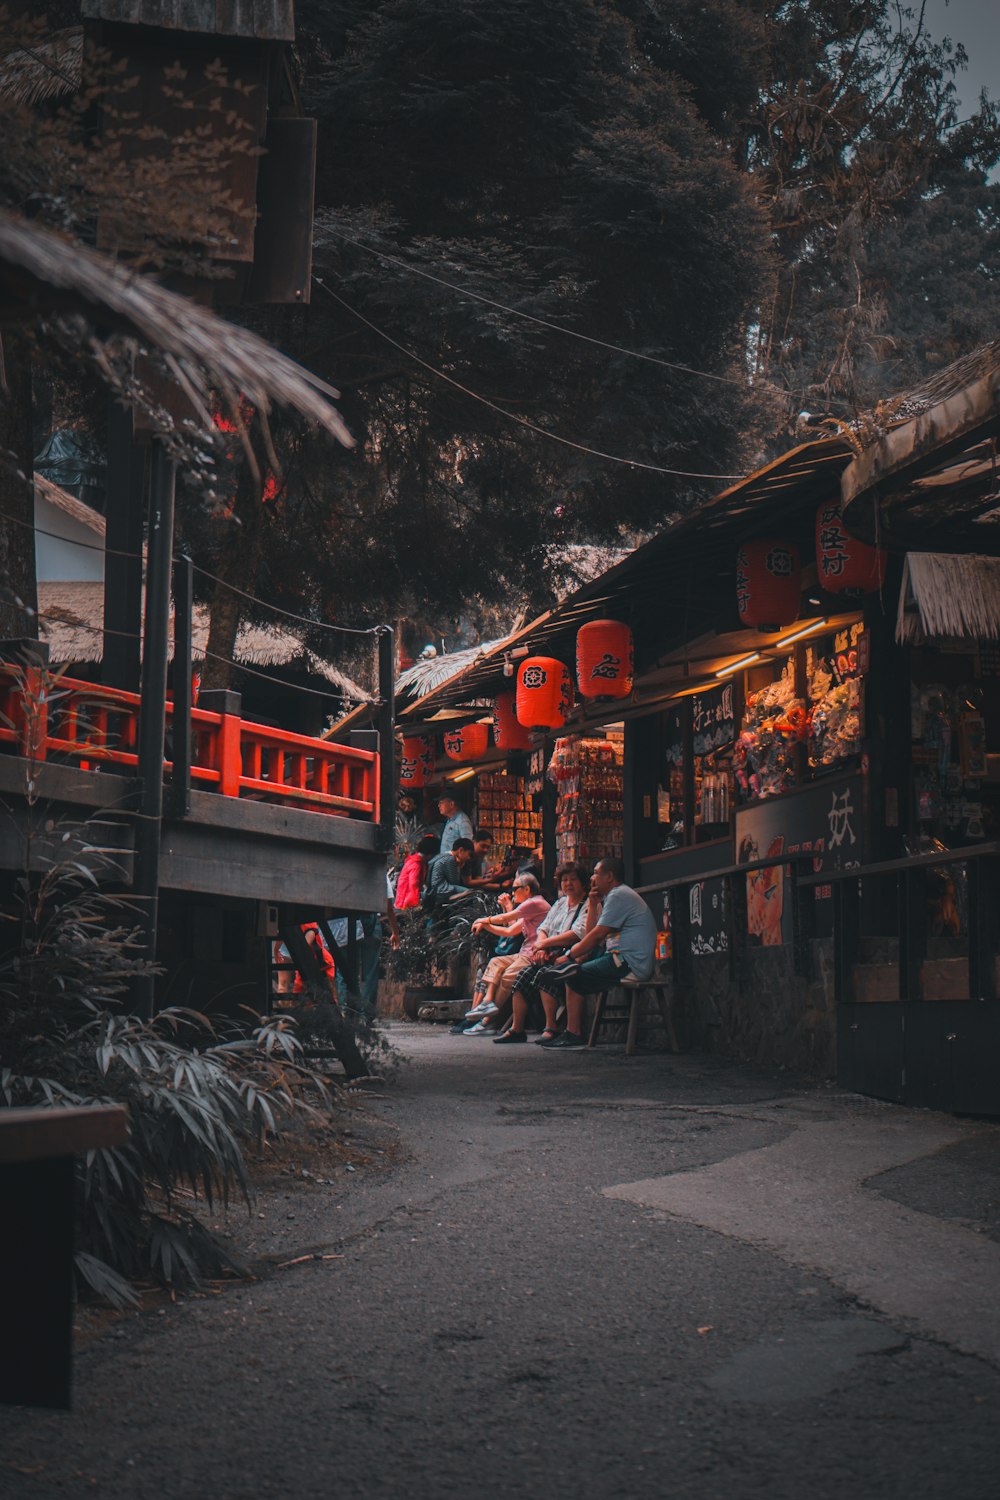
508, 734
415, 762
605, 659
768, 583
843, 564
468, 743
544, 693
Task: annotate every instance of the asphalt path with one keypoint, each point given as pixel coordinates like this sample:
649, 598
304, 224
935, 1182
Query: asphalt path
575, 1275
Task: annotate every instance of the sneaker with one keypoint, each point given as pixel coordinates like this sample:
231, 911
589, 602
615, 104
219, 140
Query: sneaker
564, 1041
486, 1008
510, 1036
480, 1029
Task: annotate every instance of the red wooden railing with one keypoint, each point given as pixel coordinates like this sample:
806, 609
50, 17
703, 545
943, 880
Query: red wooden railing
45, 716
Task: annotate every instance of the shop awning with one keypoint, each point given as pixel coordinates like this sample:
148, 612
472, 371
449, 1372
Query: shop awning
693, 554
947, 595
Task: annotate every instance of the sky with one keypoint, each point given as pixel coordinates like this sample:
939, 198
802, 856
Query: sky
976, 24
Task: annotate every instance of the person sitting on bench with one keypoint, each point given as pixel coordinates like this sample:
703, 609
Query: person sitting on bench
628, 931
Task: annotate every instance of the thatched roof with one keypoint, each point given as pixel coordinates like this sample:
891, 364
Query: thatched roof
424, 676
71, 620
42, 273
76, 509
952, 596
52, 66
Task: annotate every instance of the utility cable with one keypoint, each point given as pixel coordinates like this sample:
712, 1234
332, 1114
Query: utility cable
586, 338
302, 619
254, 598
615, 458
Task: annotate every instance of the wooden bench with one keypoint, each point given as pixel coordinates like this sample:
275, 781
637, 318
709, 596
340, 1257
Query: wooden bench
37, 1192
610, 1012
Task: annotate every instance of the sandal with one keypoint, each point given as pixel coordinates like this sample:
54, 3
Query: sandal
547, 1035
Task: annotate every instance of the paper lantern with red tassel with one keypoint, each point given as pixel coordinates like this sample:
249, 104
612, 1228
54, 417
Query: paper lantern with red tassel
508, 734
768, 583
468, 743
605, 659
416, 761
544, 693
843, 564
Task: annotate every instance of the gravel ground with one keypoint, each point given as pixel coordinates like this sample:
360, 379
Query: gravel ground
493, 1321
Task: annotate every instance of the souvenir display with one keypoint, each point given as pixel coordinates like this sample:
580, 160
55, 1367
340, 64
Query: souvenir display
763, 756
590, 810
834, 719
949, 761
503, 805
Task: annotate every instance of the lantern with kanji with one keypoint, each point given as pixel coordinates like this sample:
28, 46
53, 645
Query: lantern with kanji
605, 659
508, 734
416, 761
768, 583
843, 564
468, 743
544, 693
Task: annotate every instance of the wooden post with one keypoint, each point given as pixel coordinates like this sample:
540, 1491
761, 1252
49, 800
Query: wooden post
984, 926
386, 789
153, 714
229, 758
125, 492
911, 890
180, 784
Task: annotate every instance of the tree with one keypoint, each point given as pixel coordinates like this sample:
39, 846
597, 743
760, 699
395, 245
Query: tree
538, 157
865, 172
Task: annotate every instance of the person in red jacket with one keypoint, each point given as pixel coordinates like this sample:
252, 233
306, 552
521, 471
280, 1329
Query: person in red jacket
413, 875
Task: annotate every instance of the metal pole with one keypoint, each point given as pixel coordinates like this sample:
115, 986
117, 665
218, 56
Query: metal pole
153, 713
387, 735
180, 781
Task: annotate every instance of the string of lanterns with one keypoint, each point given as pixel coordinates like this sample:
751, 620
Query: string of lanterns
544, 697
769, 571
768, 594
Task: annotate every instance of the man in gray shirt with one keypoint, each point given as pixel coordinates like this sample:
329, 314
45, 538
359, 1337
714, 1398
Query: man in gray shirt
627, 930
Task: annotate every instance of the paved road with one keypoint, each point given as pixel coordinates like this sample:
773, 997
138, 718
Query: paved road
584, 1276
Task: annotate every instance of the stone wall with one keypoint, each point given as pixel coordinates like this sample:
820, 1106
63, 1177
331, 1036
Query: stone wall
763, 1012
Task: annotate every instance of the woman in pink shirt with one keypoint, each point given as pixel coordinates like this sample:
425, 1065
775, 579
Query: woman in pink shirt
530, 908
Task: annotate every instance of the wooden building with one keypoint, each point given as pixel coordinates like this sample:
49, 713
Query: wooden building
807, 757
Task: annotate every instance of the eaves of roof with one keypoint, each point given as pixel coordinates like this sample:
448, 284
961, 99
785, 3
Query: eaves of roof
804, 475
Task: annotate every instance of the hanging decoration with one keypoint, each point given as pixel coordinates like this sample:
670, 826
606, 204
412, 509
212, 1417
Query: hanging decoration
768, 583
508, 733
416, 761
605, 659
843, 564
544, 693
468, 743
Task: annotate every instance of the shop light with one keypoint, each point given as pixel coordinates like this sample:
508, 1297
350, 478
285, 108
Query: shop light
797, 635
463, 775
735, 666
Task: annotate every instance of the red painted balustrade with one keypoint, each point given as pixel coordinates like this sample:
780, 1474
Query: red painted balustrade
45, 716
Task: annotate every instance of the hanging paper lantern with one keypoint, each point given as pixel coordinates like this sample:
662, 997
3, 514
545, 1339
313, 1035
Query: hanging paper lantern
605, 659
544, 693
416, 762
468, 743
768, 583
508, 734
843, 564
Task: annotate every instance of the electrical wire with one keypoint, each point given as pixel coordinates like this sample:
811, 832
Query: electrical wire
631, 463
514, 312
302, 619
254, 598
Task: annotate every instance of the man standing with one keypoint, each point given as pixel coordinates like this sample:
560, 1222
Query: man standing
627, 930
456, 823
